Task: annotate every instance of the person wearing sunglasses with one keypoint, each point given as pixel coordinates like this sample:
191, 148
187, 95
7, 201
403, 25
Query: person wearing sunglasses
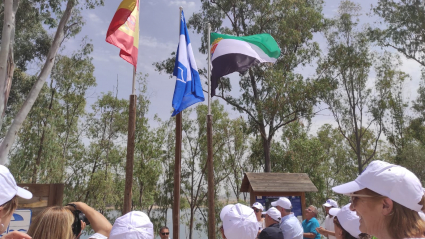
258, 209
66, 222
387, 199
9, 193
164, 233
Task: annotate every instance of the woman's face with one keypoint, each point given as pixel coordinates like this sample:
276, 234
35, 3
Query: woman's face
258, 213
371, 218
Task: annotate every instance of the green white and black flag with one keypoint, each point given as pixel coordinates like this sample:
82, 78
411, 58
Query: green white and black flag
230, 54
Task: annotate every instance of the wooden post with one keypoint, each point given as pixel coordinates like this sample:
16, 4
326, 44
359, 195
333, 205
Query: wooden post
210, 164
130, 155
303, 206
177, 177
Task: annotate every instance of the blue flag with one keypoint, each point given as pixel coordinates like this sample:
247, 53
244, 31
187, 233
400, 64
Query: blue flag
188, 89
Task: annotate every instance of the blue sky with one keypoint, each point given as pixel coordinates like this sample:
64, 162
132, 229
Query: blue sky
159, 27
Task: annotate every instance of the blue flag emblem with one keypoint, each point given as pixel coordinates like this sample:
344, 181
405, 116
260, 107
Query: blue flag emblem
188, 90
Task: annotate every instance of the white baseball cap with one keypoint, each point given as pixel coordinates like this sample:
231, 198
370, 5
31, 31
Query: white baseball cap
274, 213
225, 210
282, 202
389, 180
258, 206
133, 225
330, 203
240, 222
8, 187
348, 219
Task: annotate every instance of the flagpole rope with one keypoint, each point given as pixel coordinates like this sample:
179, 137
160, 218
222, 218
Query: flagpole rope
209, 68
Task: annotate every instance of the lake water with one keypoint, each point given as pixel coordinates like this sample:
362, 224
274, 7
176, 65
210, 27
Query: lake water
184, 231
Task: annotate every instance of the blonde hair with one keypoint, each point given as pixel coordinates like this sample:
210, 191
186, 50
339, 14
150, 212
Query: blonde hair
402, 222
53, 223
10, 206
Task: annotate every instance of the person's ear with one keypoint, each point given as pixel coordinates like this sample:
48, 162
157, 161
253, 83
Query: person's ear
387, 206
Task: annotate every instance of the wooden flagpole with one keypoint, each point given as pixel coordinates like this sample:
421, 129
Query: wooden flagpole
210, 163
130, 148
177, 167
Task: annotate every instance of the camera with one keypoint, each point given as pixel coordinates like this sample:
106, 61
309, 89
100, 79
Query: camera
83, 217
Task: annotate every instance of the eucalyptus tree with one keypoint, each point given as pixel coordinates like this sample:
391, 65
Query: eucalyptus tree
194, 158
47, 141
70, 23
403, 28
358, 103
271, 96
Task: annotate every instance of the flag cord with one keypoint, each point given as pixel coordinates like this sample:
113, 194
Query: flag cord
209, 69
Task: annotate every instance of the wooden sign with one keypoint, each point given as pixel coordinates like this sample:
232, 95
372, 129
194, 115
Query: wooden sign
44, 195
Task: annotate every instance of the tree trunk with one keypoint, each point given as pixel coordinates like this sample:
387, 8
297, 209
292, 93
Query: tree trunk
32, 96
191, 221
10, 8
266, 150
38, 159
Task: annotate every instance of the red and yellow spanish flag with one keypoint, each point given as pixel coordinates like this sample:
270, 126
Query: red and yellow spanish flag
123, 31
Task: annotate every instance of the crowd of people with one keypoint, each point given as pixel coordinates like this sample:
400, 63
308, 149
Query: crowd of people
386, 202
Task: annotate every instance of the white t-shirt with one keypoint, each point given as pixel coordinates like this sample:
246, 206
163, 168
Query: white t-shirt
261, 224
330, 226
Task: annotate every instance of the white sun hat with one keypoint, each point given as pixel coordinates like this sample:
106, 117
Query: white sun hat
282, 202
389, 180
258, 206
330, 203
240, 222
9, 188
133, 225
348, 219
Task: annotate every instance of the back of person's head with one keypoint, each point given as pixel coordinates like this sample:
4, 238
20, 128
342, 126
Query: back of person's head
53, 223
239, 221
133, 225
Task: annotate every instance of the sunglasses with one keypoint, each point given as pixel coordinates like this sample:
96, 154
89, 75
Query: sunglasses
354, 197
165, 233
256, 210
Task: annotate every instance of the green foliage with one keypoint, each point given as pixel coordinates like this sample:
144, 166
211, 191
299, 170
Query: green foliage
358, 109
404, 27
272, 96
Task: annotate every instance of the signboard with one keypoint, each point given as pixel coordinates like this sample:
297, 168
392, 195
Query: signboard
21, 220
295, 201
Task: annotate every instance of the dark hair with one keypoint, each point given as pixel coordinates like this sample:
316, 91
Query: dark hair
162, 228
345, 234
287, 210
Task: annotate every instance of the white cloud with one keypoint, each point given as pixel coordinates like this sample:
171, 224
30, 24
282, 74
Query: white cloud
182, 3
154, 43
94, 18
